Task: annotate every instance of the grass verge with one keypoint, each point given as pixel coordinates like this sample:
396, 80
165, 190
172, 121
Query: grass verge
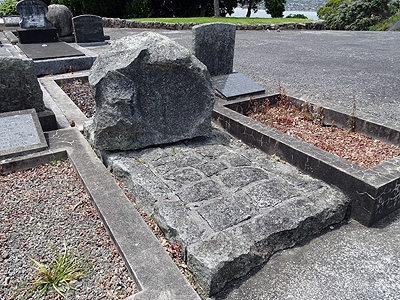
231, 20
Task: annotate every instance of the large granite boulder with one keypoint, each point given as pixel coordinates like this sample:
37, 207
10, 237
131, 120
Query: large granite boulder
149, 90
19, 88
61, 18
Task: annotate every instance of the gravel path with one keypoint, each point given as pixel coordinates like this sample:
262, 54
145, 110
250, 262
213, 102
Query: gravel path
46, 205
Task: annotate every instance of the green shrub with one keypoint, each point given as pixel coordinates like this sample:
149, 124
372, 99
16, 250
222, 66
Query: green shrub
7, 7
355, 14
297, 16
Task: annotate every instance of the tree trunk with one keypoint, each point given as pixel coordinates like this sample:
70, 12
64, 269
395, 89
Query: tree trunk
249, 9
216, 8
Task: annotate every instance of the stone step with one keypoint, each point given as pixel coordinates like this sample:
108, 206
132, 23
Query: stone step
230, 206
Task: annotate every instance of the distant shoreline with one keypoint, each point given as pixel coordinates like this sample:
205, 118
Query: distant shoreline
241, 12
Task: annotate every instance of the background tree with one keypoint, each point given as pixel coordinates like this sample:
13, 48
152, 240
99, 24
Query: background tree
216, 8
357, 14
7, 7
252, 5
330, 7
275, 7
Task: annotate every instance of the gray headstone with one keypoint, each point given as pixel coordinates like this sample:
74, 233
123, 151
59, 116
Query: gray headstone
88, 29
149, 90
61, 18
20, 133
33, 13
19, 88
214, 45
235, 85
11, 21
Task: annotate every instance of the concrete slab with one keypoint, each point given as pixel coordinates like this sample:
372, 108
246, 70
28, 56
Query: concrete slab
346, 262
49, 50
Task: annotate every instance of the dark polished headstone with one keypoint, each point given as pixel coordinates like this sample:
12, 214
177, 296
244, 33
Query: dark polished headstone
37, 35
88, 29
20, 133
49, 51
33, 13
234, 85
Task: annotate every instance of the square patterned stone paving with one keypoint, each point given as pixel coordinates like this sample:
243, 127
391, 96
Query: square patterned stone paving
228, 205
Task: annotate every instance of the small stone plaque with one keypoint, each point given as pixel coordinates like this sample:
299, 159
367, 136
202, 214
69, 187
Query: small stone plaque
20, 133
237, 84
88, 29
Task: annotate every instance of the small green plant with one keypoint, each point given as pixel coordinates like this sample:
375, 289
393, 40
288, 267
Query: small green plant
275, 158
62, 269
174, 151
54, 162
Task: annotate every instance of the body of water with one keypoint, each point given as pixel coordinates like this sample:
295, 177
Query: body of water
241, 12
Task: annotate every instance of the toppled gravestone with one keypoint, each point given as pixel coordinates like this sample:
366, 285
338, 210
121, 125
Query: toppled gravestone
149, 90
214, 46
61, 18
19, 88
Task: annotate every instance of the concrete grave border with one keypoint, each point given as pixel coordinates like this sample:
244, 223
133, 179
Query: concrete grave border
156, 275
374, 192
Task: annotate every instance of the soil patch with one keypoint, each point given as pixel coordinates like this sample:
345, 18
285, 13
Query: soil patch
82, 95
46, 205
306, 123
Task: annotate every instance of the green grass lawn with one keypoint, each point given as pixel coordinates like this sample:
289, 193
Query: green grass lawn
226, 20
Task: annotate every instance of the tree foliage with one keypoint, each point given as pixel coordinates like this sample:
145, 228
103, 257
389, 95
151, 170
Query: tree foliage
330, 7
252, 5
7, 7
353, 14
275, 7
147, 8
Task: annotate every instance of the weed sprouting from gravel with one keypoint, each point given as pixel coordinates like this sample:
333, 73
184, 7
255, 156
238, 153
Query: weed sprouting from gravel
63, 269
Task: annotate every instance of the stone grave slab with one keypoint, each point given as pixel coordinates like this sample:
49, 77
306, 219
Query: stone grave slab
49, 51
88, 29
236, 84
228, 205
20, 133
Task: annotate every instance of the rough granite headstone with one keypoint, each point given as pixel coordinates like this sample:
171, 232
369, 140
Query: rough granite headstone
88, 29
19, 88
149, 90
61, 18
214, 45
33, 13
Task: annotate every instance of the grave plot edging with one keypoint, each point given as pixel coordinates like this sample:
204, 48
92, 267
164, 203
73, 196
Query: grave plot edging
374, 192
